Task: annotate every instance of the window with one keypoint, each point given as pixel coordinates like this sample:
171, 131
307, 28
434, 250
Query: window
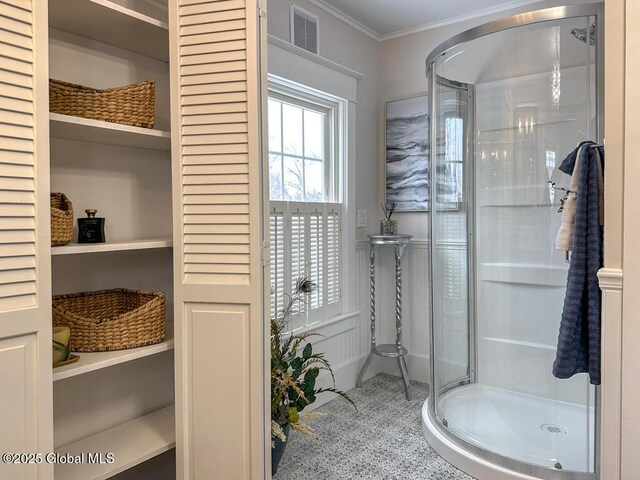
454, 139
306, 200
450, 155
300, 160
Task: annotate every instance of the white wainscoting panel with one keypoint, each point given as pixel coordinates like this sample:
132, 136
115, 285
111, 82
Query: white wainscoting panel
340, 341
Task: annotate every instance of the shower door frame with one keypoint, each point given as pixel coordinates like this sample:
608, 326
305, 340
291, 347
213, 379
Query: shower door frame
595, 10
468, 192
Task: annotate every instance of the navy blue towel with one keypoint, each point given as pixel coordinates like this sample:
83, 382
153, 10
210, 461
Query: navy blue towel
579, 338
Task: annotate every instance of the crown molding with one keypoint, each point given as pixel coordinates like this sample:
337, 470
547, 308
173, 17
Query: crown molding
421, 28
460, 18
346, 18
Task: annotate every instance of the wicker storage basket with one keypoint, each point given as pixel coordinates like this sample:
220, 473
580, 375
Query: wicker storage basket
130, 105
111, 319
61, 219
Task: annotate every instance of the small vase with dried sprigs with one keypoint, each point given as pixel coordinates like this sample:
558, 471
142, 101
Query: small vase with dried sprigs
388, 226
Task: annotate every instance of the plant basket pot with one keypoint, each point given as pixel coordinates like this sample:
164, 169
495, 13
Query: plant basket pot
61, 219
130, 105
278, 450
111, 319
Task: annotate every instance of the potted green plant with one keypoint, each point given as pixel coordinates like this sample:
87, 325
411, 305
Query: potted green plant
294, 371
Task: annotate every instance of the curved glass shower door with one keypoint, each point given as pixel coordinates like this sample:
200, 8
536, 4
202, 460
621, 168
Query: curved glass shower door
508, 107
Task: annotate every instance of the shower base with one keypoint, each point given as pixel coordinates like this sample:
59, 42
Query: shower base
521, 427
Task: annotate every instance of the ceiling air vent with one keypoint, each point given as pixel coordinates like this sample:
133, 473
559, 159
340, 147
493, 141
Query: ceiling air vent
304, 29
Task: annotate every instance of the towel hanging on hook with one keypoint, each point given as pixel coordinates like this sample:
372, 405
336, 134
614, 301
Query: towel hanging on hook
579, 337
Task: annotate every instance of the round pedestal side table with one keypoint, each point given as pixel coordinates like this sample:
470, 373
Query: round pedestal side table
391, 350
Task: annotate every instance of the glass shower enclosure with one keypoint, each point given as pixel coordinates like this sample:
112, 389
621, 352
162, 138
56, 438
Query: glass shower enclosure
510, 100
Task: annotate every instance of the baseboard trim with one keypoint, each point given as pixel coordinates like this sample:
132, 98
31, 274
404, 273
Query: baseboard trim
417, 366
346, 374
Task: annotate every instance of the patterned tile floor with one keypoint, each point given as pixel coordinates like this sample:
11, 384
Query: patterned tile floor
382, 441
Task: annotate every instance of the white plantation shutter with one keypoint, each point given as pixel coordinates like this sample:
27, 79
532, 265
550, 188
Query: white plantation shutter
297, 263
276, 241
310, 244
298, 247
315, 231
333, 288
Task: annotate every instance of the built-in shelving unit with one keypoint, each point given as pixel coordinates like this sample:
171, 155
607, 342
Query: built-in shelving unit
78, 248
125, 185
90, 362
87, 130
108, 22
131, 443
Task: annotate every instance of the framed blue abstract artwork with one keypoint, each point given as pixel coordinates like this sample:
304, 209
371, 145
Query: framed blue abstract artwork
407, 154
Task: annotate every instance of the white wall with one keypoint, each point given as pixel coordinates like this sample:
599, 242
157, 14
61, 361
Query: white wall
350, 47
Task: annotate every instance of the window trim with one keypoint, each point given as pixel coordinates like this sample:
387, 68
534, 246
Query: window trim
335, 107
330, 157
343, 161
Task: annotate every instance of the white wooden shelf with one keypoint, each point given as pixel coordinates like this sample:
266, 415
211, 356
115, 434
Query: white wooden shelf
131, 443
77, 248
90, 362
97, 131
108, 22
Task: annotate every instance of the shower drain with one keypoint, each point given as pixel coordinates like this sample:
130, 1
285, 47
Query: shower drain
554, 429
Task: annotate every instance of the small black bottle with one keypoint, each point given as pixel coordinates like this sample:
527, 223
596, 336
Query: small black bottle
91, 229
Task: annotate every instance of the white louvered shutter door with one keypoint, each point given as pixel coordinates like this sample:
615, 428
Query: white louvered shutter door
217, 90
26, 415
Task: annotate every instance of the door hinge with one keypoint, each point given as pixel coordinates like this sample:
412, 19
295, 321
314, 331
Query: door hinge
262, 8
265, 255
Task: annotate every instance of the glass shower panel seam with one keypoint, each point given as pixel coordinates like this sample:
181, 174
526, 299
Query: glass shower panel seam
431, 75
470, 188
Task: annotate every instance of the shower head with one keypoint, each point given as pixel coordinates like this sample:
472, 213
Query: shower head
582, 35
